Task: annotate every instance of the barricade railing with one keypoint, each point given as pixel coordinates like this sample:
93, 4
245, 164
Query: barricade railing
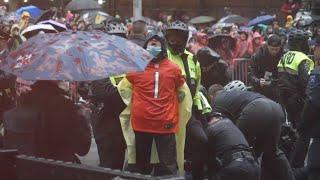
29, 167
22, 167
241, 66
240, 69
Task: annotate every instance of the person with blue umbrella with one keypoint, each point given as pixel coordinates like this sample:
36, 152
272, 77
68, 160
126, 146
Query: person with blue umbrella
265, 19
34, 11
24, 21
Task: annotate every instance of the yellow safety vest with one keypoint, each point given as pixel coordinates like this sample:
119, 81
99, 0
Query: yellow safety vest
195, 76
194, 73
291, 60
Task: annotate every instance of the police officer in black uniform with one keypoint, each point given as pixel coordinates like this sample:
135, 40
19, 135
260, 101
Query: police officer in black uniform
229, 152
259, 119
294, 68
310, 124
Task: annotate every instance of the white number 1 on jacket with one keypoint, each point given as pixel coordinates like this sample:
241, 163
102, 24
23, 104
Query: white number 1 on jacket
156, 85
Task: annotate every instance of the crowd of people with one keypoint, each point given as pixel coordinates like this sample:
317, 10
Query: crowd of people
184, 114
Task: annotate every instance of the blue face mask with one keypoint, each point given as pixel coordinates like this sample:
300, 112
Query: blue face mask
154, 50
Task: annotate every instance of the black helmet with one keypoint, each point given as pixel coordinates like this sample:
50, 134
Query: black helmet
177, 28
298, 41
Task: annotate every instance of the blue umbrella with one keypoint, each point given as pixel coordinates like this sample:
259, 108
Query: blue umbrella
34, 11
78, 56
261, 20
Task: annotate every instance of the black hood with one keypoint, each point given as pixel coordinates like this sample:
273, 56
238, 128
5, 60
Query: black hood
207, 56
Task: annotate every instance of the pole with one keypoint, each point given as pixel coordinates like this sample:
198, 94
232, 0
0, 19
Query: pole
137, 9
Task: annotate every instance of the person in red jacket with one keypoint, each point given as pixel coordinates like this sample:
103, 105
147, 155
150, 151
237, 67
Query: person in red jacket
257, 42
154, 113
244, 45
290, 7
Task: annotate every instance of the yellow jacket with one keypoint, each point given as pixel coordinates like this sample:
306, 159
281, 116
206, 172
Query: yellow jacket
185, 106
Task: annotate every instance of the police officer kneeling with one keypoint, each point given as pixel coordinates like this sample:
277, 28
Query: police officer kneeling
259, 119
229, 151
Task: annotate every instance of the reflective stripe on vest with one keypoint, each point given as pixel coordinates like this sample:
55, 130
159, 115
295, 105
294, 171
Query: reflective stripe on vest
291, 60
178, 60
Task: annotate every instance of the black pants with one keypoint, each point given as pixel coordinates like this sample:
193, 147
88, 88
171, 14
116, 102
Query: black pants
110, 142
311, 128
314, 160
196, 148
260, 122
240, 169
293, 104
166, 148
111, 150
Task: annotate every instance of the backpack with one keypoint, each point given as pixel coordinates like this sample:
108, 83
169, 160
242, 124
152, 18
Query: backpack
25, 130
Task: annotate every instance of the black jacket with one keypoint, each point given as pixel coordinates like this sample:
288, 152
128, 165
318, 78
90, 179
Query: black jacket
7, 92
67, 131
106, 120
313, 88
231, 103
213, 68
295, 84
310, 124
263, 62
218, 74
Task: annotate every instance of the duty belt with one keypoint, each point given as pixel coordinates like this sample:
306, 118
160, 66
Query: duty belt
227, 158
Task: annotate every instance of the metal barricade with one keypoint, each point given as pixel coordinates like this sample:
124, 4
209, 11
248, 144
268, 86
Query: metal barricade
8, 164
33, 168
240, 69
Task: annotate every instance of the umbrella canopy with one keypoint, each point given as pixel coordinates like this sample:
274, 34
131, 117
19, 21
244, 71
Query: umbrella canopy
261, 20
33, 30
57, 26
75, 56
95, 17
80, 5
233, 19
34, 11
202, 20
